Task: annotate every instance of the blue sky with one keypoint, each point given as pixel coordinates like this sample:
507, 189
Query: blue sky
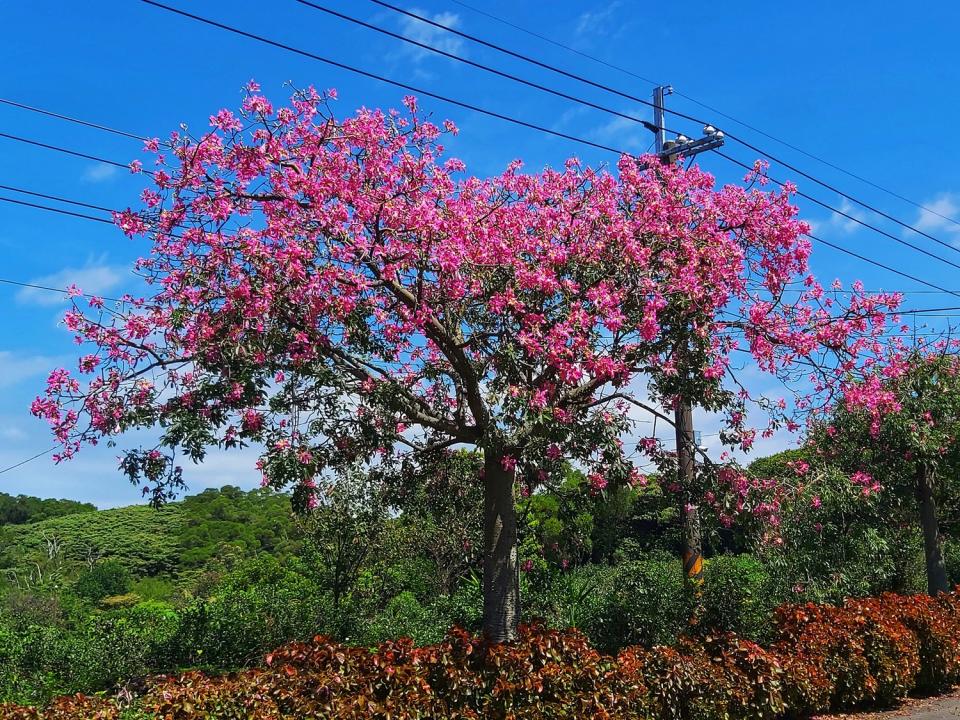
873, 92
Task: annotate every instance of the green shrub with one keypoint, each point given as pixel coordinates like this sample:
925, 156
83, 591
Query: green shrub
22, 608
642, 602
405, 617
909, 565
106, 578
153, 588
256, 608
738, 596
564, 599
465, 605
951, 557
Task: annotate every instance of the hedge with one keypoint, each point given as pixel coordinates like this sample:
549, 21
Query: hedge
867, 652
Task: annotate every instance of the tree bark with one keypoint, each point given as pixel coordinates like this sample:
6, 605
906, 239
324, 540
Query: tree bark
936, 568
501, 572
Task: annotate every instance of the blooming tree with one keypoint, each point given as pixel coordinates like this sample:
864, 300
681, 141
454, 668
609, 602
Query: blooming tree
339, 294
895, 431
756, 307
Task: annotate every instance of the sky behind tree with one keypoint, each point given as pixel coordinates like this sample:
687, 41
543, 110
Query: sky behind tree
870, 92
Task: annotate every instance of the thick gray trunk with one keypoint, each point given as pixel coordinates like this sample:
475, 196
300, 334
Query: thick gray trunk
936, 568
501, 572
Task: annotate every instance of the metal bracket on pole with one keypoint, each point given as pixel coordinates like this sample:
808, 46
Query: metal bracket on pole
670, 150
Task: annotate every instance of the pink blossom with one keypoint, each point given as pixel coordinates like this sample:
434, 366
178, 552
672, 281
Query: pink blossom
252, 420
597, 482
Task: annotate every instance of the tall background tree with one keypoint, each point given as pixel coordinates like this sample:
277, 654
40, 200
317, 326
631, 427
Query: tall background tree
336, 292
896, 433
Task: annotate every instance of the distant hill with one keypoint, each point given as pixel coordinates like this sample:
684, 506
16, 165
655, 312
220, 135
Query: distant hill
179, 537
22, 509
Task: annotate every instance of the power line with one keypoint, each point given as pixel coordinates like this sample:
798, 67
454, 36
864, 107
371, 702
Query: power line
867, 225
381, 78
737, 162
839, 192
704, 105
62, 291
530, 125
874, 292
68, 118
829, 164
414, 89
554, 42
918, 311
527, 58
28, 460
57, 198
475, 64
878, 264
60, 211
67, 151
820, 240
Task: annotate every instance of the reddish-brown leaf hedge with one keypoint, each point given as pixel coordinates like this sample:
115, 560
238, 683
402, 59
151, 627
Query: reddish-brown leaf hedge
870, 651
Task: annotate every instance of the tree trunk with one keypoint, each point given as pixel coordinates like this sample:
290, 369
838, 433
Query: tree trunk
501, 572
936, 568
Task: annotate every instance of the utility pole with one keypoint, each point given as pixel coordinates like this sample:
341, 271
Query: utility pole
668, 152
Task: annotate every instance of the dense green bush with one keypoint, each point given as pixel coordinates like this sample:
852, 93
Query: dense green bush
405, 616
260, 605
99, 653
641, 602
233, 586
153, 588
109, 577
143, 539
646, 602
564, 599
738, 596
951, 556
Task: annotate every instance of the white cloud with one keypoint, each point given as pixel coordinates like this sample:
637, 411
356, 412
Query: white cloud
569, 116
16, 367
623, 133
594, 22
837, 224
101, 172
431, 35
935, 219
95, 277
12, 433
